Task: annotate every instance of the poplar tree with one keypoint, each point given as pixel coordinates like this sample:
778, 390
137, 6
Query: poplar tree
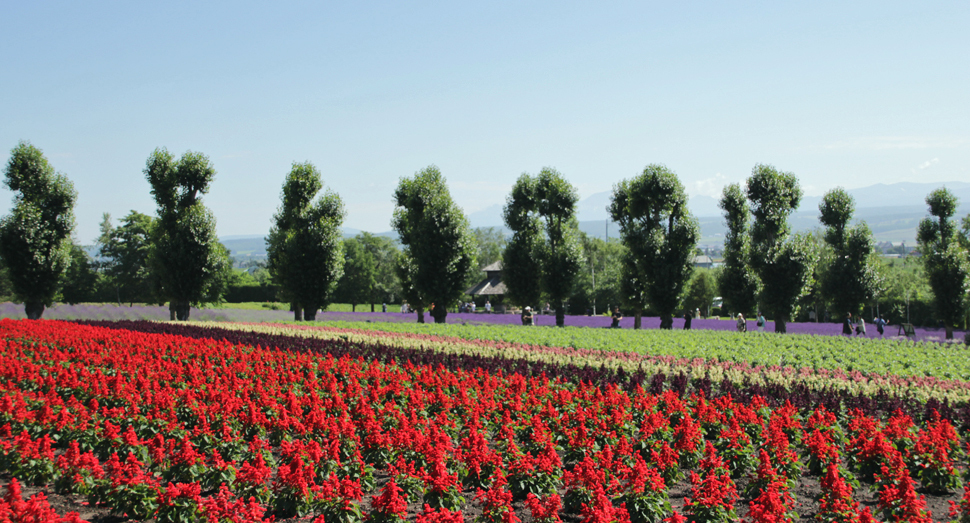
35, 238
439, 248
852, 277
188, 262
660, 234
738, 284
535, 263
784, 262
304, 246
945, 259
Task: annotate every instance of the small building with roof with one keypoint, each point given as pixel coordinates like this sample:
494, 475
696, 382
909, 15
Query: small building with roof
491, 287
703, 261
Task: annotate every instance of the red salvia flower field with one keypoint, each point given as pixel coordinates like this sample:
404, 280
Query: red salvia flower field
179, 428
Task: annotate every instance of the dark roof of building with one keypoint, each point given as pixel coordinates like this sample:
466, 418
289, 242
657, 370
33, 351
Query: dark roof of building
488, 287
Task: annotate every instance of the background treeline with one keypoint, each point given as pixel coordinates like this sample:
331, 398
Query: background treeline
175, 258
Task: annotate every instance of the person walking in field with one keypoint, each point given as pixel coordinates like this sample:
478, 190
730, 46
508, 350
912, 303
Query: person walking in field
742, 325
847, 324
860, 328
880, 324
687, 318
761, 322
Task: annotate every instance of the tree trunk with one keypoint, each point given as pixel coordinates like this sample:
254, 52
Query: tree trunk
420, 315
353, 307
310, 313
34, 309
638, 319
171, 310
949, 331
781, 324
560, 315
297, 311
666, 321
439, 314
372, 307
182, 310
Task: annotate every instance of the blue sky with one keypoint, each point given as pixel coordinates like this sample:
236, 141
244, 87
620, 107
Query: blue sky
840, 93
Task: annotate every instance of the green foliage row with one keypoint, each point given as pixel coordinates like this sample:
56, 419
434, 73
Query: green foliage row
883, 356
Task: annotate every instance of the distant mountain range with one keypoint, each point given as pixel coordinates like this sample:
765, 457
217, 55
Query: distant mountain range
892, 211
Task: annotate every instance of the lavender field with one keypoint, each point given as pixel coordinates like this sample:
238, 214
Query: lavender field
160, 313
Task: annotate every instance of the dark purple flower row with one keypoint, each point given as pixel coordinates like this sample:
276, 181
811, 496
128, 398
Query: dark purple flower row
800, 396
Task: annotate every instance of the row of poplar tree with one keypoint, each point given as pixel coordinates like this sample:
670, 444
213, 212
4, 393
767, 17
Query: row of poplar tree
766, 266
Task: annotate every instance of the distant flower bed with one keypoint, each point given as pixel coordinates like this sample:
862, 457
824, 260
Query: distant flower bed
110, 311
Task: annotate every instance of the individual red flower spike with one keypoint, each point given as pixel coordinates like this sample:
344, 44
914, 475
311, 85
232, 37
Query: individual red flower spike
899, 427
897, 497
546, 509
712, 497
601, 510
390, 502
254, 472
38, 510
664, 457
711, 460
497, 501
821, 447
181, 491
224, 507
13, 496
294, 475
961, 510
675, 518
836, 503
773, 505
438, 479
687, 435
186, 453
130, 438
440, 515
820, 418
642, 477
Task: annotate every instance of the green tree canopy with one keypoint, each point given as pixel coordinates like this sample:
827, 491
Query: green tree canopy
35, 239
387, 288
660, 234
357, 284
6, 287
738, 284
945, 260
125, 251
80, 282
304, 245
598, 284
189, 264
439, 249
521, 268
852, 278
534, 263
784, 262
701, 291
